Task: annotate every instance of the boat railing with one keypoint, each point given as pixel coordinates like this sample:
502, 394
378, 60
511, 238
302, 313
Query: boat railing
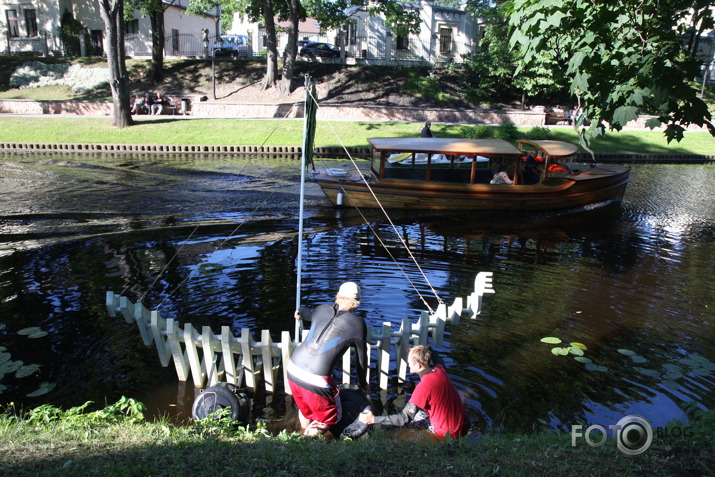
209, 358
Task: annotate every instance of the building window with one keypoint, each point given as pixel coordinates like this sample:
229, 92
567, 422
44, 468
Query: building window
31, 22
12, 24
402, 42
131, 26
445, 40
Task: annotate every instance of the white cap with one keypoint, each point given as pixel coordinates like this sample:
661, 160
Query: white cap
349, 290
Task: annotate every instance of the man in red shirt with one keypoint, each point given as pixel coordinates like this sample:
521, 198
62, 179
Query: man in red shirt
435, 395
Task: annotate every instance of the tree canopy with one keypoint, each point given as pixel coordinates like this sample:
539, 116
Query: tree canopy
625, 59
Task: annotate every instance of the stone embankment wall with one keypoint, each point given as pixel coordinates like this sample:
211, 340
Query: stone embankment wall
327, 112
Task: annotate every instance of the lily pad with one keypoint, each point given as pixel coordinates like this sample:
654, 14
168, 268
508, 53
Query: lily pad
576, 351
29, 331
43, 389
2, 326
638, 359
27, 370
2, 348
648, 372
670, 384
672, 367
10, 367
626, 352
578, 345
551, 340
595, 367
5, 357
581, 359
702, 372
673, 374
38, 334
2, 388
689, 362
560, 351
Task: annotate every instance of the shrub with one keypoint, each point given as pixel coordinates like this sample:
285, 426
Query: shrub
481, 131
538, 133
507, 131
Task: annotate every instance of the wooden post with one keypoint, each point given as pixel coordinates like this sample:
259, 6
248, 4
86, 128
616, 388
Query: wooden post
142, 315
157, 329
210, 359
383, 357
403, 349
111, 304
286, 351
346, 366
179, 357
454, 313
197, 369
267, 353
228, 359
247, 362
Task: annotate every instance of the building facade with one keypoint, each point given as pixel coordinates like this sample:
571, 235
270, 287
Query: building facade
445, 36
35, 25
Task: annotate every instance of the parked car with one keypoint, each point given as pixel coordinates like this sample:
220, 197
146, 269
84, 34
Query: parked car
233, 45
322, 50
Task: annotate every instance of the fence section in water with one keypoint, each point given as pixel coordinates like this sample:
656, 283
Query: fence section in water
210, 357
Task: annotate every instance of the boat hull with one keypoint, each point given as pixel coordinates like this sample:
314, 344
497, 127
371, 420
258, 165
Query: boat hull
595, 184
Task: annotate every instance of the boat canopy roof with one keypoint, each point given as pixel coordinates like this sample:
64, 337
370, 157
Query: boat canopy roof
449, 146
552, 148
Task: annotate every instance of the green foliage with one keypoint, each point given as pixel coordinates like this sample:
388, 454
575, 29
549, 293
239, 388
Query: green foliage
426, 86
538, 133
70, 32
507, 131
622, 62
124, 410
480, 131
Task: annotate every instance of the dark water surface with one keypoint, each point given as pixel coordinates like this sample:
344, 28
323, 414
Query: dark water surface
213, 242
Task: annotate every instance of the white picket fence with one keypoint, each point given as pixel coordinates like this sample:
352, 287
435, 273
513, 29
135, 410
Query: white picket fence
240, 360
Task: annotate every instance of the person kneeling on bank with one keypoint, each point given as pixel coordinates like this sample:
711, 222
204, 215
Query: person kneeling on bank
435, 394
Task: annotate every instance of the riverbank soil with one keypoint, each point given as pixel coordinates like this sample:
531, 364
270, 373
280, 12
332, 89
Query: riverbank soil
241, 81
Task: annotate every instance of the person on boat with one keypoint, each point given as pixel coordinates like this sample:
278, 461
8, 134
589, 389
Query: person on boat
435, 395
501, 177
532, 168
334, 329
426, 131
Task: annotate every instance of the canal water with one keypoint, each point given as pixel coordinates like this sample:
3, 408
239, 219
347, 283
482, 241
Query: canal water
212, 241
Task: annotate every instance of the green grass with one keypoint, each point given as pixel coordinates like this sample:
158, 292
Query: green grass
116, 441
289, 132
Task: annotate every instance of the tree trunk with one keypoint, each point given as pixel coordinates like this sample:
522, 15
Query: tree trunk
271, 46
157, 44
112, 12
291, 48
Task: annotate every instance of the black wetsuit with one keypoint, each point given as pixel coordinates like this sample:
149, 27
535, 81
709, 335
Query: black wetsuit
331, 334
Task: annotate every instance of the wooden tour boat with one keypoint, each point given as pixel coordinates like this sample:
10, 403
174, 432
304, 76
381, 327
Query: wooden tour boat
455, 174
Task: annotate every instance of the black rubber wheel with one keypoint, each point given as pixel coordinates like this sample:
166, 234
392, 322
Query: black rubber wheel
218, 397
353, 403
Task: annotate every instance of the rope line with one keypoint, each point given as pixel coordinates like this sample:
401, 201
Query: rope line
222, 242
404, 244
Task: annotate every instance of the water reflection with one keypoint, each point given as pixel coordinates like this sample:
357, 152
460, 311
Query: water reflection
213, 242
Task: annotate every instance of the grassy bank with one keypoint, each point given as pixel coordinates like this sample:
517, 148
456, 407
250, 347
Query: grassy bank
289, 132
116, 441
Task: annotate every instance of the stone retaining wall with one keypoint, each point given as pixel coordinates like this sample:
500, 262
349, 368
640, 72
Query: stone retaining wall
326, 112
